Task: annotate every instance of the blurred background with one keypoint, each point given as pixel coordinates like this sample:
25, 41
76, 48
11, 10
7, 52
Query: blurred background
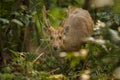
25, 52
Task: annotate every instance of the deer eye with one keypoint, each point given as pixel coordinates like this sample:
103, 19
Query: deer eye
60, 37
51, 37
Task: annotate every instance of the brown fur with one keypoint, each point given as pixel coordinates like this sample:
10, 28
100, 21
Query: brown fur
77, 26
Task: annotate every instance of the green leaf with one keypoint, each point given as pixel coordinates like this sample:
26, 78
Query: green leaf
17, 22
4, 20
14, 52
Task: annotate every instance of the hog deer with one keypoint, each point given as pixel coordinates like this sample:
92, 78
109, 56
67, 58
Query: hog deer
71, 34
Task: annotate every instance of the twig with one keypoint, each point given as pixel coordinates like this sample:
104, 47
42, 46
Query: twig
54, 70
38, 57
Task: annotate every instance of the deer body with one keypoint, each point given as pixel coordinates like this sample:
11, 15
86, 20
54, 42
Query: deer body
80, 26
70, 36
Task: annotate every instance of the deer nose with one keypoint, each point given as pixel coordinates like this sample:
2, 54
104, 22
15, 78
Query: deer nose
55, 48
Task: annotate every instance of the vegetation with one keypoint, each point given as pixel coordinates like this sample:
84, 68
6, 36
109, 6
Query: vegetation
25, 53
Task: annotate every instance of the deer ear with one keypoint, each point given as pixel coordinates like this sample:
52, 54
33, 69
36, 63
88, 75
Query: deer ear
66, 29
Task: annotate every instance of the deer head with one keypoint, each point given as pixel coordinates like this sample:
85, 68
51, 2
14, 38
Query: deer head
56, 35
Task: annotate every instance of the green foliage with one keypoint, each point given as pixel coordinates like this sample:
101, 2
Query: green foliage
6, 76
